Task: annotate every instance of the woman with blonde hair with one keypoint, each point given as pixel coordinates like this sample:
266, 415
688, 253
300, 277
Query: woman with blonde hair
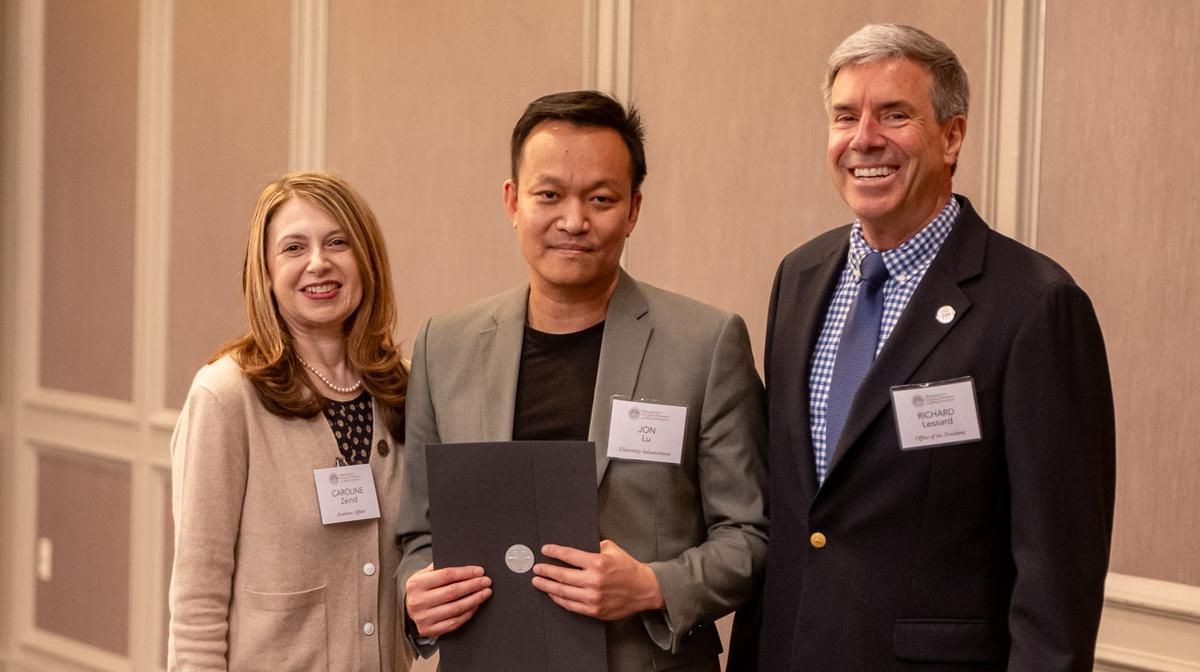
284, 554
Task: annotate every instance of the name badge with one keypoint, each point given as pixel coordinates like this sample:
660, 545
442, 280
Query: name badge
640, 430
936, 414
346, 493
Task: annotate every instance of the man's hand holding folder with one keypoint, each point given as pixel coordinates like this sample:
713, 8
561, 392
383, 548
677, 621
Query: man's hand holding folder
441, 600
608, 585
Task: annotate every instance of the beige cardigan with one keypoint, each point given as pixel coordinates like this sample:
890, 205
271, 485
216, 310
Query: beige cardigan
258, 582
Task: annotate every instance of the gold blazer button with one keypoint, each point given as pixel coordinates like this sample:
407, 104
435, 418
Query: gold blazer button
817, 540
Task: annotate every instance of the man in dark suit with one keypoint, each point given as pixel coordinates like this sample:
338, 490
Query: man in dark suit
940, 416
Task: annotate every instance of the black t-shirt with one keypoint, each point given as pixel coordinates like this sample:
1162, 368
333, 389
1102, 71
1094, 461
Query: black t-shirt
556, 385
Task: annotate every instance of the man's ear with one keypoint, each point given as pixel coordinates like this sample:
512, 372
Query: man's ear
953, 133
635, 209
510, 200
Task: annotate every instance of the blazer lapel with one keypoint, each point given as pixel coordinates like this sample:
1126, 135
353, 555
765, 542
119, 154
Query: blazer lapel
627, 329
793, 342
500, 363
918, 331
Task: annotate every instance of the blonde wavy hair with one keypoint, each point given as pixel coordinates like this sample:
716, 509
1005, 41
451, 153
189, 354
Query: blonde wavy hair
266, 354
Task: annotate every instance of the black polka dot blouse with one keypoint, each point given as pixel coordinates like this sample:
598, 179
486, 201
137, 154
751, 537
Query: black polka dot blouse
351, 422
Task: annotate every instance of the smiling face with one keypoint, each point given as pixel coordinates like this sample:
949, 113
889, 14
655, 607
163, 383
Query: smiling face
889, 156
572, 206
314, 274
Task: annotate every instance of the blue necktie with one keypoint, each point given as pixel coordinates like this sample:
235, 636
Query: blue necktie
855, 354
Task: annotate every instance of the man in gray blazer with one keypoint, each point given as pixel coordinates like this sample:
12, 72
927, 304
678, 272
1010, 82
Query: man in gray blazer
682, 542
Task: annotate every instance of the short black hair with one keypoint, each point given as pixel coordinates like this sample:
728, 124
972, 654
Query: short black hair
585, 108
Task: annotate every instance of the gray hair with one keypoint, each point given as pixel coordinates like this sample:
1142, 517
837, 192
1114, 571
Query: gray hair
951, 93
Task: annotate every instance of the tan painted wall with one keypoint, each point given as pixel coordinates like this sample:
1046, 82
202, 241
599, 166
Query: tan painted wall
1119, 209
88, 197
736, 136
83, 510
229, 138
419, 119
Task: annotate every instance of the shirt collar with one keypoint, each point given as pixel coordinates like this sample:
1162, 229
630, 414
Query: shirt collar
913, 254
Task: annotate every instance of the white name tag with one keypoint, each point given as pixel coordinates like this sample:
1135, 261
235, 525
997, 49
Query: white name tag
936, 414
346, 493
640, 430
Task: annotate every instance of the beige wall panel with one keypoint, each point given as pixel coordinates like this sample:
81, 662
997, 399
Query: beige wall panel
83, 509
89, 176
1119, 209
422, 100
736, 134
230, 114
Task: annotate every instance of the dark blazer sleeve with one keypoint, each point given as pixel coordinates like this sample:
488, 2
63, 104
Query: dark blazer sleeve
1060, 449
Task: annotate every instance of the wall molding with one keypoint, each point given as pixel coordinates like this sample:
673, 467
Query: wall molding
74, 425
48, 652
81, 434
27, 143
1120, 659
153, 204
81, 405
148, 599
608, 56
309, 88
9, 167
1162, 598
1149, 626
36, 648
164, 420
608, 47
31, 23
1013, 117
152, 273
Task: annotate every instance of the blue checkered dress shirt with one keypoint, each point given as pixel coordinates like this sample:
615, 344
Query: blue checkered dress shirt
906, 265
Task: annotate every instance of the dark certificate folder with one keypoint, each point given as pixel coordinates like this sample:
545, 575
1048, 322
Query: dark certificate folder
484, 500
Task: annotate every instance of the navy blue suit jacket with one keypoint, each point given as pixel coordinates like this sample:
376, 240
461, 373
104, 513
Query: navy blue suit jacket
989, 555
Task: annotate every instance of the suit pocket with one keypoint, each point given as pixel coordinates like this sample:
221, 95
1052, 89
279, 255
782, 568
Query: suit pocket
279, 631
950, 641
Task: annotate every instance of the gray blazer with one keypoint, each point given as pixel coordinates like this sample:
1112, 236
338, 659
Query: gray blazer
700, 525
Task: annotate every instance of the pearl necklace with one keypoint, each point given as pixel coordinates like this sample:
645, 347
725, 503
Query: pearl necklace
336, 388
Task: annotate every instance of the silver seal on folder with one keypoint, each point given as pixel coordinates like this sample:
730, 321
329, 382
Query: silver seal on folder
519, 558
